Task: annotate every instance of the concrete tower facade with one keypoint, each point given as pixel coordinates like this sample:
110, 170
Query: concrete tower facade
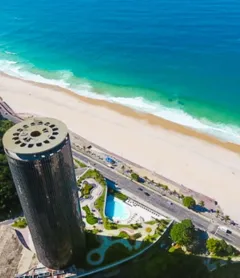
41, 163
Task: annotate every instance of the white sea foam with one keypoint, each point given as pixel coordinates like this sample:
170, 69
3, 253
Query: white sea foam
15, 69
10, 53
222, 131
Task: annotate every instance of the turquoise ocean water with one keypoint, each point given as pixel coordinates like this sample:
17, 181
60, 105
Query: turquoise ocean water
179, 60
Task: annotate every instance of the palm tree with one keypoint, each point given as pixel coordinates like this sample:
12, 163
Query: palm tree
123, 168
201, 203
226, 218
217, 212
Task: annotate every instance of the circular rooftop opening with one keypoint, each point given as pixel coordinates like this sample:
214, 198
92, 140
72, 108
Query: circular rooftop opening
35, 133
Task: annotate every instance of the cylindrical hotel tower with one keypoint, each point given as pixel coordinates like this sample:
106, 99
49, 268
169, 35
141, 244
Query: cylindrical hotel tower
41, 163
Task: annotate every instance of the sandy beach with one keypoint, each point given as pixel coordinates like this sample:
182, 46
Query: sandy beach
195, 160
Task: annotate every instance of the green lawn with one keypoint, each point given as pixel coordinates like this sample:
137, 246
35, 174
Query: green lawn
100, 202
91, 219
79, 163
151, 222
123, 234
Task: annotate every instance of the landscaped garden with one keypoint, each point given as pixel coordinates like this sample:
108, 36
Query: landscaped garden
162, 224
185, 238
100, 202
123, 244
188, 238
86, 190
91, 219
185, 241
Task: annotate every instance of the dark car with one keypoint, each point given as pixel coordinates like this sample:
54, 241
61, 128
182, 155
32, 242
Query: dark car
147, 194
139, 188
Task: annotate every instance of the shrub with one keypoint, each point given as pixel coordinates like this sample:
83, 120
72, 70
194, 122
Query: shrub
135, 176
91, 220
189, 202
164, 222
86, 189
20, 223
150, 238
123, 234
165, 187
136, 236
136, 226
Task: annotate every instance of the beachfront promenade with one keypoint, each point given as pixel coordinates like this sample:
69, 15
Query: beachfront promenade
158, 203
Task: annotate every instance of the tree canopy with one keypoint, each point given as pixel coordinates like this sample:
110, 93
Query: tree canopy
220, 247
168, 265
9, 202
183, 233
135, 176
189, 202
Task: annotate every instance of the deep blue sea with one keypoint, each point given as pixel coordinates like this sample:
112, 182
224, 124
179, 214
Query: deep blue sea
177, 59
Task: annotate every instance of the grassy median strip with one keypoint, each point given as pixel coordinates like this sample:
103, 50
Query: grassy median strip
79, 163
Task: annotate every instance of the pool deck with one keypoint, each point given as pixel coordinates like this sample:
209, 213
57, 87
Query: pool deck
138, 213
117, 210
131, 205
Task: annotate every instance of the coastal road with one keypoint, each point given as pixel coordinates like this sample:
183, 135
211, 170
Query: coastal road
232, 238
161, 203
147, 195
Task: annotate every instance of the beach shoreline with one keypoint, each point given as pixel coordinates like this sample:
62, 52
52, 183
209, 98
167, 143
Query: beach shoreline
199, 161
129, 112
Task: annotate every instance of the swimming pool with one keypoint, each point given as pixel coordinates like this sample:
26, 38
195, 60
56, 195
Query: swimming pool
116, 209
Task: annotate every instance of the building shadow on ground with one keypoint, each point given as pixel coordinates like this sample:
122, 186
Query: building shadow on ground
158, 260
